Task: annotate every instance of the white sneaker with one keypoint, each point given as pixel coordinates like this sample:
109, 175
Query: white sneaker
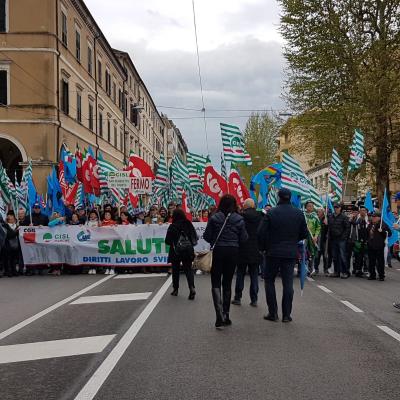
198, 272
90, 272
112, 272
107, 272
94, 271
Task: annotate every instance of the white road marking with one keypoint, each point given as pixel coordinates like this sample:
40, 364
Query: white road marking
324, 289
54, 348
351, 306
389, 331
131, 276
310, 279
40, 314
112, 297
94, 384
398, 269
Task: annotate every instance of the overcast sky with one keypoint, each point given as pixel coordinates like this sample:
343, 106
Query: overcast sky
240, 55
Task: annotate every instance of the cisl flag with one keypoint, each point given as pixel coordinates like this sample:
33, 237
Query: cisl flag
215, 185
237, 188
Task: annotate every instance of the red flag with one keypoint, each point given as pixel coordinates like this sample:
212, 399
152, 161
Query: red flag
134, 200
90, 174
185, 206
139, 167
61, 178
79, 160
237, 188
71, 194
215, 185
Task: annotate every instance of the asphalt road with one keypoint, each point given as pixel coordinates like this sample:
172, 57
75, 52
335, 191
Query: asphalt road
150, 345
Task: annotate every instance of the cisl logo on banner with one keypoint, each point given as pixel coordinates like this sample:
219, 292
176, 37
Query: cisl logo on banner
29, 235
118, 180
141, 185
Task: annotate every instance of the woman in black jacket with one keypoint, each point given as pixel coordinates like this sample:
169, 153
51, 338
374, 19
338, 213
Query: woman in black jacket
225, 254
180, 231
11, 246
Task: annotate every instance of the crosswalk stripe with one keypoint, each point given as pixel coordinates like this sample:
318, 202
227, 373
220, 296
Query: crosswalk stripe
112, 297
131, 276
53, 349
325, 289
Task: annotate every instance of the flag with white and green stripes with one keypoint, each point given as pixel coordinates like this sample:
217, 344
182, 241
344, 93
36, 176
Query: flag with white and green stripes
5, 188
104, 168
357, 152
336, 175
233, 144
196, 165
224, 174
272, 199
161, 182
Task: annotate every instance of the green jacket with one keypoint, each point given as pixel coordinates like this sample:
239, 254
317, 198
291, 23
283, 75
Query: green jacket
313, 224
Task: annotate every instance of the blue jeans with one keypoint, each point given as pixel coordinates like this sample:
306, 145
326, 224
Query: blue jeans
240, 274
339, 256
286, 267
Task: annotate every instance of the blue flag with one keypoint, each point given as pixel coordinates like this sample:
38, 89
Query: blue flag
54, 192
368, 202
389, 219
69, 162
32, 193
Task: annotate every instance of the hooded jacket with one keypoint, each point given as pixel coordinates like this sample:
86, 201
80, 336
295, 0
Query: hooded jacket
248, 251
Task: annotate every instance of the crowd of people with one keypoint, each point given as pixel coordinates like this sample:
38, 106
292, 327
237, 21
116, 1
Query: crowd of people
263, 242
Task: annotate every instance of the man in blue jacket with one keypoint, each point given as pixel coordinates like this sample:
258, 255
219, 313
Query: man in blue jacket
278, 235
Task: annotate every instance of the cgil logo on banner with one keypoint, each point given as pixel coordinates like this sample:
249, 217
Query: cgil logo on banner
29, 235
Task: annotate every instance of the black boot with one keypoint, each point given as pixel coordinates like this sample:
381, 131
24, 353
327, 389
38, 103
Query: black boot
192, 293
226, 306
174, 292
216, 295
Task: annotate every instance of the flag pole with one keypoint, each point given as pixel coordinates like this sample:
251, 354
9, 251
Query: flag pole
345, 185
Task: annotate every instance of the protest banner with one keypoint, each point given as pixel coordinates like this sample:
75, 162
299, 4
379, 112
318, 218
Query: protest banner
141, 185
118, 180
117, 246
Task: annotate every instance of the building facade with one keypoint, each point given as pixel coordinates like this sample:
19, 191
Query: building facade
176, 144
62, 82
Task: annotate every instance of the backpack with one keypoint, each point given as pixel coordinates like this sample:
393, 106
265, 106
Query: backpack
184, 247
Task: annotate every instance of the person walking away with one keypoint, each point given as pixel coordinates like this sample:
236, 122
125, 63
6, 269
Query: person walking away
361, 239
108, 221
11, 246
378, 231
225, 231
181, 237
338, 233
322, 243
314, 230
20, 222
249, 254
278, 235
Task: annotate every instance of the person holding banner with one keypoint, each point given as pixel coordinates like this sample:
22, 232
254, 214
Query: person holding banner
181, 237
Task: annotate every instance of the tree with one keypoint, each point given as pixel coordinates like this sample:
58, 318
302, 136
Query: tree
260, 137
343, 73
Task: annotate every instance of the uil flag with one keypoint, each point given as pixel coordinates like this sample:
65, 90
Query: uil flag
233, 145
237, 188
357, 151
139, 167
336, 176
215, 185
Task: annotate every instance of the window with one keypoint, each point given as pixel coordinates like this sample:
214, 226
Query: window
3, 15
121, 140
108, 82
90, 60
64, 29
101, 124
78, 45
91, 116
65, 96
114, 92
109, 129
120, 99
99, 72
4, 86
115, 136
79, 106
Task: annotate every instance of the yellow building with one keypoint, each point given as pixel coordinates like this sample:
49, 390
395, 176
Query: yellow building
61, 81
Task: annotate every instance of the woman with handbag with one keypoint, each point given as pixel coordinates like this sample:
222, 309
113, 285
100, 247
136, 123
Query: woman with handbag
181, 237
225, 231
11, 247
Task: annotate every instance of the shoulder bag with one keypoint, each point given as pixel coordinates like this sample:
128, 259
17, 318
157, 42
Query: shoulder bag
203, 259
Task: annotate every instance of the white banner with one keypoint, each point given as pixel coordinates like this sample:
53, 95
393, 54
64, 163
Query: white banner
119, 180
119, 246
141, 185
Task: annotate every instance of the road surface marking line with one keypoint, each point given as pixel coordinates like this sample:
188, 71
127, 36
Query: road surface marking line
389, 331
42, 313
112, 297
324, 289
131, 276
89, 391
310, 279
398, 269
351, 306
53, 349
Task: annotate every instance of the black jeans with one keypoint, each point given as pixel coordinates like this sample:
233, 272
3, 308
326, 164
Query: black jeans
359, 257
349, 257
187, 267
339, 256
223, 269
10, 263
321, 253
286, 267
376, 260
240, 274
